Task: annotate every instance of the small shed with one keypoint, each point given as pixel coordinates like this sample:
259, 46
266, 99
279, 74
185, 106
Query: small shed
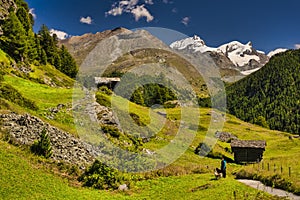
105, 81
248, 151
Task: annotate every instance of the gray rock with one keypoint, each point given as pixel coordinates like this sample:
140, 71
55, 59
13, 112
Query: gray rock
123, 187
25, 129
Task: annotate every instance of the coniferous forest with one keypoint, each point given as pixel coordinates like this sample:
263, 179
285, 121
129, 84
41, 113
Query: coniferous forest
26, 47
270, 97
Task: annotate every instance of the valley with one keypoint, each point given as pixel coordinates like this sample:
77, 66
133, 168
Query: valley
119, 114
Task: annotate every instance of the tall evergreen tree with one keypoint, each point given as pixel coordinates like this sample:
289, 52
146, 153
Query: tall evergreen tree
48, 44
14, 39
68, 64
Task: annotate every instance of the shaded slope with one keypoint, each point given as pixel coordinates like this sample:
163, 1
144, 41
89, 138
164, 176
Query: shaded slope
270, 97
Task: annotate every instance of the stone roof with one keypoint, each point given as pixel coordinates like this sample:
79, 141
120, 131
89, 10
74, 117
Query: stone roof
258, 144
106, 80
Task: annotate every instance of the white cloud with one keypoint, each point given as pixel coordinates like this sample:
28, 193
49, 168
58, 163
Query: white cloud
186, 21
141, 11
31, 11
115, 11
60, 34
86, 20
297, 46
132, 7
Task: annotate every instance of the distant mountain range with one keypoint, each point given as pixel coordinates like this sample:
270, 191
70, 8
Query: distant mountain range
235, 60
233, 55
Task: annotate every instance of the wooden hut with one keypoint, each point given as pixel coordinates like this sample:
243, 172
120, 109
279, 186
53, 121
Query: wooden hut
248, 151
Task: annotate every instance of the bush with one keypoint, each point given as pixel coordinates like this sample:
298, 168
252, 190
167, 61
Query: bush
137, 119
105, 90
43, 146
111, 130
203, 149
100, 176
103, 100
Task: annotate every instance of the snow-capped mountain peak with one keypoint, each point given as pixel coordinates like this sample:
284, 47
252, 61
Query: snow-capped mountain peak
194, 43
237, 47
243, 57
276, 51
240, 54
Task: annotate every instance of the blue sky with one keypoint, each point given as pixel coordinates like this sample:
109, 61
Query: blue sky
269, 24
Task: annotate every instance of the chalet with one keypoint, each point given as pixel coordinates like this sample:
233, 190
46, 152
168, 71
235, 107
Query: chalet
248, 151
109, 82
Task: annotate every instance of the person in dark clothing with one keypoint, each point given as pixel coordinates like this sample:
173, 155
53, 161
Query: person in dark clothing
223, 167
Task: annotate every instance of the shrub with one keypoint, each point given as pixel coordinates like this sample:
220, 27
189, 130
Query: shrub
203, 149
100, 176
137, 119
103, 100
111, 130
105, 90
43, 146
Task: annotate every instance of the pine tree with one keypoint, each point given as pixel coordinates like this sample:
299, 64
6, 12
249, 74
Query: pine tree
137, 97
14, 39
24, 18
43, 146
68, 64
48, 44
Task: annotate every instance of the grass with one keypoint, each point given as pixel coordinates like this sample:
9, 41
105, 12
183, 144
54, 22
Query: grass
22, 177
45, 98
50, 75
4, 58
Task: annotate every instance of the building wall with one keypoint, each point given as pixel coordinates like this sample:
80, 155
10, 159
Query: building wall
247, 154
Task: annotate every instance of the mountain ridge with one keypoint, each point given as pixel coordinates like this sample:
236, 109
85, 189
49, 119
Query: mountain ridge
243, 56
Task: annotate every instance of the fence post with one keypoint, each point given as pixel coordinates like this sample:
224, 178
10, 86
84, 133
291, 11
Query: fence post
268, 166
289, 171
274, 168
281, 169
262, 165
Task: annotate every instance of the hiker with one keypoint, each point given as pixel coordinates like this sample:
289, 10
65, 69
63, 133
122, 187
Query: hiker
223, 167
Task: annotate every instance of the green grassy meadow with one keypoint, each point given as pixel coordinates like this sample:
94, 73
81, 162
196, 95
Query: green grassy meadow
23, 176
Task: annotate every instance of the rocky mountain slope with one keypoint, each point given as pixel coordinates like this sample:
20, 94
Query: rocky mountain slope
5, 5
81, 46
121, 50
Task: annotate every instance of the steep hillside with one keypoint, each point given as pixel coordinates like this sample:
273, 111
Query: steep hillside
81, 46
164, 61
270, 96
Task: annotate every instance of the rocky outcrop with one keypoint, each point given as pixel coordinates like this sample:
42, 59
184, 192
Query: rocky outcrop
225, 137
25, 129
5, 5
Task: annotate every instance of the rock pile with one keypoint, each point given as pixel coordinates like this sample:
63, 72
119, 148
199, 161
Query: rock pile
225, 137
25, 129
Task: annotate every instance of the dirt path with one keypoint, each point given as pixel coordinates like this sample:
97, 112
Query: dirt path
258, 185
